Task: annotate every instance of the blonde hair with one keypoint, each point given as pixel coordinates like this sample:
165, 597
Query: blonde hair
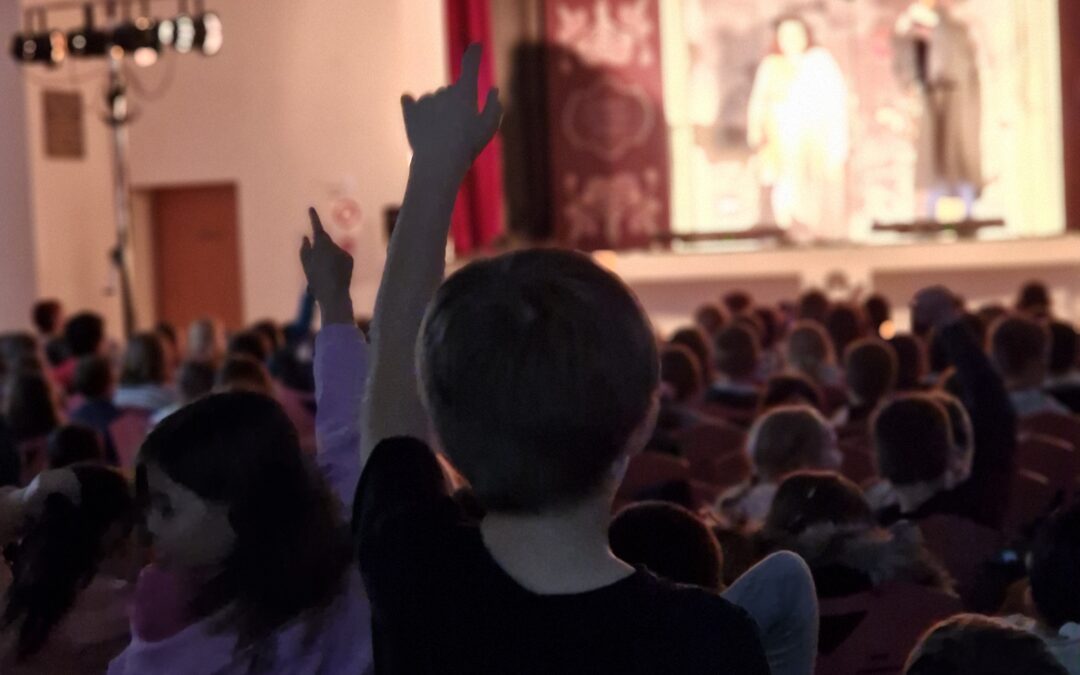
789, 439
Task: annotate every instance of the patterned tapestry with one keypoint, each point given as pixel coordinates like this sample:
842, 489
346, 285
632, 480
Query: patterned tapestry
609, 148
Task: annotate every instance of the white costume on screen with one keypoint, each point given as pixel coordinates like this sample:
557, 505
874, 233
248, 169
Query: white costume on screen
798, 121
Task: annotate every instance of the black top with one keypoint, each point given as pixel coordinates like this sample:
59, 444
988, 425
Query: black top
441, 604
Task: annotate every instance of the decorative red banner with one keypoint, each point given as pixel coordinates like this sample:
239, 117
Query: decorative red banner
609, 153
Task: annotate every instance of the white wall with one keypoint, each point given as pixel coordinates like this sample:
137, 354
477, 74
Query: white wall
17, 283
302, 100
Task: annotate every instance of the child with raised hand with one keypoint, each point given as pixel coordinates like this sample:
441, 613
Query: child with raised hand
540, 374
254, 567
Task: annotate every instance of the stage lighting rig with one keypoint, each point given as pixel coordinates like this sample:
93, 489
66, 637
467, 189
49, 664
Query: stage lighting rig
89, 40
40, 45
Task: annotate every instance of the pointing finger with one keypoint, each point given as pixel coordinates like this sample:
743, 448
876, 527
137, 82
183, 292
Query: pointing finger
470, 71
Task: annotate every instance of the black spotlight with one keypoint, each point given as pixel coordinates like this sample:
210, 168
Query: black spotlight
49, 48
88, 40
140, 38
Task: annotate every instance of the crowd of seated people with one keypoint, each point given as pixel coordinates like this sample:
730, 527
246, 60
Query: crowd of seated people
507, 471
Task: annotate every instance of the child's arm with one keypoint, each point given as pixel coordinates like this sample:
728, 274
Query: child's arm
446, 131
341, 362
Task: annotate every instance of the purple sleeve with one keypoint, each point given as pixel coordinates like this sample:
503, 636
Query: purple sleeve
341, 369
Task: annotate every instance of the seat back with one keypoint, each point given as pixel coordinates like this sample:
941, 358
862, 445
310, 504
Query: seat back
128, 432
1059, 425
714, 450
963, 546
1033, 497
1052, 457
888, 622
650, 469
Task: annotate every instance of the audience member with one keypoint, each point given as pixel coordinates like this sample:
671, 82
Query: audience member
66, 608
781, 442
737, 354
94, 384
870, 366
1063, 380
911, 365
48, 318
1034, 301
543, 460
737, 302
242, 373
813, 305
697, 342
31, 411
271, 333
791, 389
145, 376
670, 541
251, 344
73, 444
846, 325
969, 644
809, 351
170, 342
878, 312
84, 334
194, 379
204, 341
710, 318
1021, 349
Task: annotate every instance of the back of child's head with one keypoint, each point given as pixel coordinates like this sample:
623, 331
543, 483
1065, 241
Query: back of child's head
46, 316
963, 434
697, 342
870, 367
911, 364
195, 379
809, 348
971, 644
1063, 348
878, 311
1021, 347
73, 444
289, 553
84, 334
293, 369
670, 541
737, 352
710, 318
790, 389
1034, 300
30, 406
249, 343
789, 439
94, 378
243, 373
913, 440
540, 371
845, 324
17, 346
737, 302
680, 373
1055, 561
769, 322
144, 361
204, 340
62, 551
813, 306
811, 498
271, 332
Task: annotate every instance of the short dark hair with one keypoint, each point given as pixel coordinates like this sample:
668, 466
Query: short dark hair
878, 311
912, 439
972, 644
537, 368
870, 366
1018, 343
271, 331
911, 361
679, 369
46, 316
94, 377
72, 444
195, 379
244, 374
697, 342
790, 389
1034, 300
249, 343
670, 541
808, 498
769, 322
737, 302
813, 306
167, 332
291, 553
144, 361
31, 409
84, 334
710, 318
1055, 559
845, 325
737, 351
1063, 347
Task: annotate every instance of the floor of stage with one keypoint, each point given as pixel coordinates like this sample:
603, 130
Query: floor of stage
672, 283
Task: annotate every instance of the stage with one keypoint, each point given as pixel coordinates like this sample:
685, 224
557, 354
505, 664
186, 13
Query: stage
672, 283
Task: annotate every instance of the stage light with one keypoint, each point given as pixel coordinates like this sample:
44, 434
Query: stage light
88, 40
49, 48
209, 34
184, 33
140, 39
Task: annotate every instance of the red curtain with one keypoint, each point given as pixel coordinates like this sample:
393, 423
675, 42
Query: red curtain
478, 213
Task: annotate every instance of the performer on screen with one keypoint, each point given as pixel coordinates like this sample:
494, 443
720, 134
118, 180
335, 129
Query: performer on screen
798, 128
935, 54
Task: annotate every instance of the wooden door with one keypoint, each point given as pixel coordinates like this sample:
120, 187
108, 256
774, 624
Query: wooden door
197, 255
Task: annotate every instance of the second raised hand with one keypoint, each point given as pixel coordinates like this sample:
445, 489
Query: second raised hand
328, 269
447, 127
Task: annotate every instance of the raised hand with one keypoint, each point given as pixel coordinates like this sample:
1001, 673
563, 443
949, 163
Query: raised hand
446, 128
328, 269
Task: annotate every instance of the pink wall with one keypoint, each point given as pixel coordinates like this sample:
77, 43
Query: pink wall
17, 283
302, 101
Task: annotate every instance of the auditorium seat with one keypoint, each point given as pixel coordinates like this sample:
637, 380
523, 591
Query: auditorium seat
715, 451
650, 469
1063, 426
878, 628
1033, 497
963, 546
1051, 457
